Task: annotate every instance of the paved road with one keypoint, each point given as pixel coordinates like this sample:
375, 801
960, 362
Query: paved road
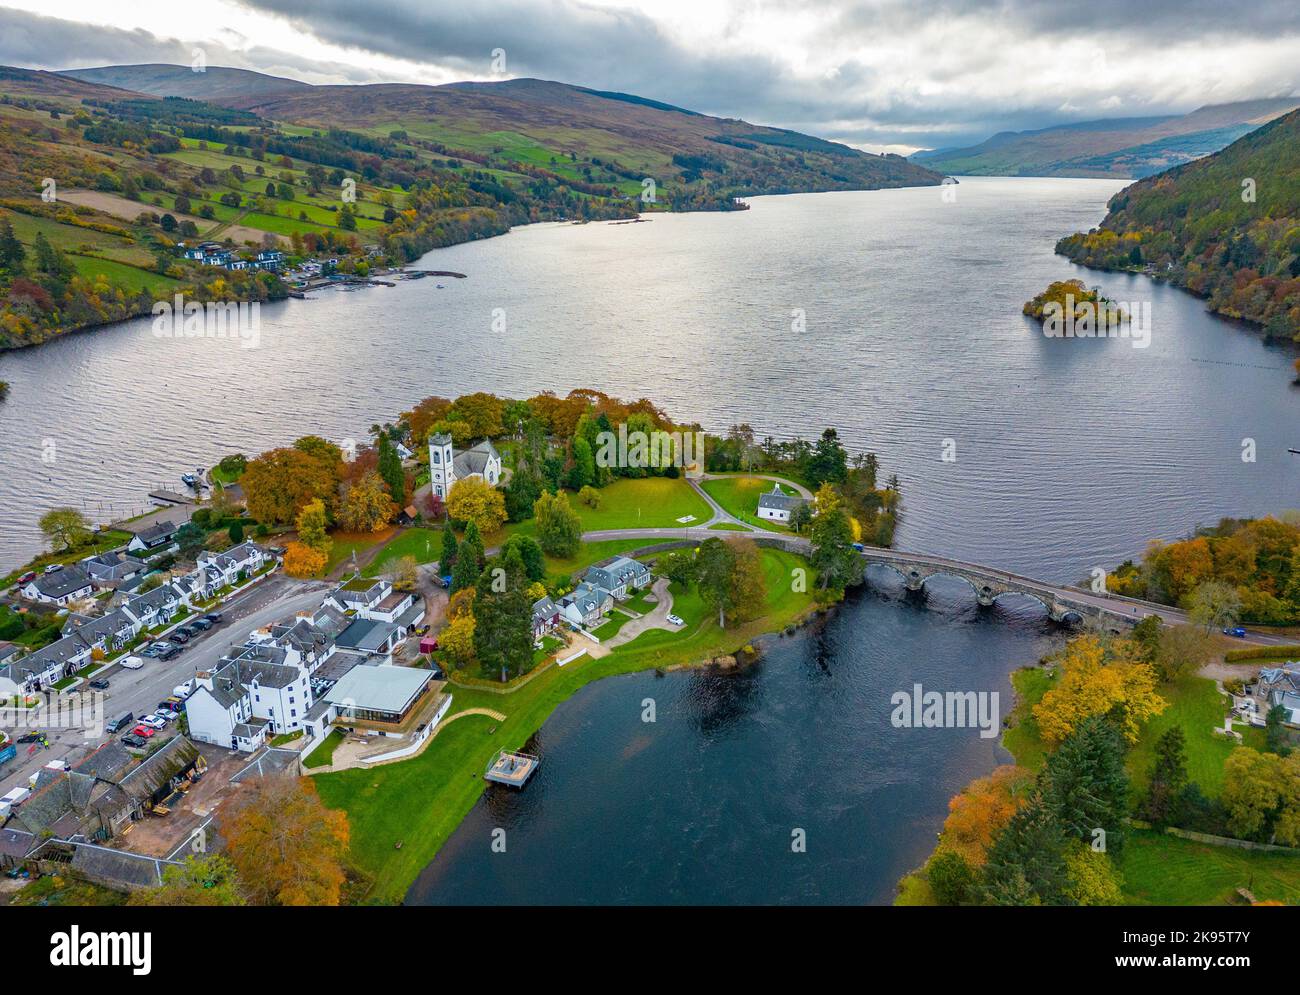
139, 691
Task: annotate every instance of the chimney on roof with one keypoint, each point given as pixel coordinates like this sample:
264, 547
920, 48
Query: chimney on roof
203, 678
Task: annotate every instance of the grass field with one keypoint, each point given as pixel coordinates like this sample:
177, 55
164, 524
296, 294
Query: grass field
347, 543
739, 495
1160, 869
643, 503
1023, 739
1196, 705
323, 755
419, 802
130, 278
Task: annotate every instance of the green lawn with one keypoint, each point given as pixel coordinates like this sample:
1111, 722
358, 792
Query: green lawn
1023, 739
643, 503
419, 802
323, 755
101, 542
1160, 869
739, 495
130, 278
615, 621
1197, 706
345, 544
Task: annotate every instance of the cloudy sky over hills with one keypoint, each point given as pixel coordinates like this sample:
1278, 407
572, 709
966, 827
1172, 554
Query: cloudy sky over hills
881, 74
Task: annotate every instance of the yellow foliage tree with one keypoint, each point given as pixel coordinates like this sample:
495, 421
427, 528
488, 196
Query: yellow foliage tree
473, 499
1091, 684
458, 639
300, 560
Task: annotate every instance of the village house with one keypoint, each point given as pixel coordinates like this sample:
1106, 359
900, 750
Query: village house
313, 635
106, 633
156, 607
370, 640
359, 594
618, 575
262, 691
247, 558
546, 616
157, 538
112, 568
97, 797
1278, 686
585, 605
37, 671
777, 506
446, 465
62, 587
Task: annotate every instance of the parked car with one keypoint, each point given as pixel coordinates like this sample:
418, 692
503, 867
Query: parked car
144, 731
131, 739
170, 653
99, 684
28, 577
181, 636
131, 662
1237, 631
154, 721
120, 723
52, 568
152, 650
213, 617
183, 690
202, 624
675, 620
172, 704
33, 737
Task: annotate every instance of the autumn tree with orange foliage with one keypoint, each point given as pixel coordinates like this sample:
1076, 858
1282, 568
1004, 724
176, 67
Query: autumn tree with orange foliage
300, 560
1095, 679
978, 814
287, 848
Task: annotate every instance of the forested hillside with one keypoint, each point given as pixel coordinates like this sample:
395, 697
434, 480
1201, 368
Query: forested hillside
1226, 227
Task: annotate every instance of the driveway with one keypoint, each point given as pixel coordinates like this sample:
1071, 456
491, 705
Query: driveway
656, 618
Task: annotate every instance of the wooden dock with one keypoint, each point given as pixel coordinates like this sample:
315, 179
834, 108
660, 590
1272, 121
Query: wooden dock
512, 768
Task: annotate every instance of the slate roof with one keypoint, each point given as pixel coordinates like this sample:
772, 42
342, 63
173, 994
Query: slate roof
108, 763
474, 460
16, 843
614, 571
62, 582
158, 768
366, 635
157, 533
121, 866
777, 500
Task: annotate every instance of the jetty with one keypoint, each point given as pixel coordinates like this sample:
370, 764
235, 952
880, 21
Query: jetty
512, 768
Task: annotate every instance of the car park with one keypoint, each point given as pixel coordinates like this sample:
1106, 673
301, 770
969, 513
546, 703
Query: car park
99, 684
133, 740
147, 732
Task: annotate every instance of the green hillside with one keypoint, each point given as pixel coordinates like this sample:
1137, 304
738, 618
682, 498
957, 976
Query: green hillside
1226, 227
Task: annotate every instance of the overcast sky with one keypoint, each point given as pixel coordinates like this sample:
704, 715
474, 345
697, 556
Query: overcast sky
879, 74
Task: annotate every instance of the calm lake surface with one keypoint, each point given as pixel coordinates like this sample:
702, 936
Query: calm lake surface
1070, 454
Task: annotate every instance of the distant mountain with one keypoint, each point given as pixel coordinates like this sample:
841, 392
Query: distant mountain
1118, 147
590, 136
1226, 227
216, 84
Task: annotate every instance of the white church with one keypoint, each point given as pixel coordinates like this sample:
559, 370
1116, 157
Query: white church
446, 465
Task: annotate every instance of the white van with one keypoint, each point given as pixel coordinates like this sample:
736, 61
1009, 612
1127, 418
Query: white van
131, 662
13, 798
183, 690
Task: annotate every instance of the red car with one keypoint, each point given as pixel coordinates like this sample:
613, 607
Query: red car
144, 732
28, 577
